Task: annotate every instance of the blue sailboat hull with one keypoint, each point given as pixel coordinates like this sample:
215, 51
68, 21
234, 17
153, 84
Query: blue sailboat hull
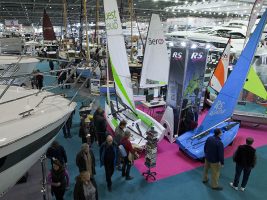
195, 147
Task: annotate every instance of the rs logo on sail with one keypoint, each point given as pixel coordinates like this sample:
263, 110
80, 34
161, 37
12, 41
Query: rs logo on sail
218, 108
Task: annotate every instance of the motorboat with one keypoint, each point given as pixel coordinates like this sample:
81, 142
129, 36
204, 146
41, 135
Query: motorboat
30, 121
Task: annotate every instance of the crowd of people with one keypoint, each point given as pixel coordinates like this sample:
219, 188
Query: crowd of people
115, 151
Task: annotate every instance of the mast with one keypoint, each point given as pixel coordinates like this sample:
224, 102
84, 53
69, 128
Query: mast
96, 22
81, 28
65, 18
86, 29
130, 2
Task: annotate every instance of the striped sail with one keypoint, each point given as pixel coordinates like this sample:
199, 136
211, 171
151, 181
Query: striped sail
220, 73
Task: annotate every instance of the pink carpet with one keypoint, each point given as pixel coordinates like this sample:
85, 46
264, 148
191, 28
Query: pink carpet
171, 161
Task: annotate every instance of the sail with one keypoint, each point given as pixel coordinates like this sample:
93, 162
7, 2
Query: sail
224, 105
220, 73
48, 30
155, 70
255, 85
117, 53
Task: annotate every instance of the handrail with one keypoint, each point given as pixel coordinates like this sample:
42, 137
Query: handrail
50, 95
44, 88
79, 89
12, 80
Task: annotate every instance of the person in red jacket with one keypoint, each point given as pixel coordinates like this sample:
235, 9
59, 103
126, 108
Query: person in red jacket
127, 163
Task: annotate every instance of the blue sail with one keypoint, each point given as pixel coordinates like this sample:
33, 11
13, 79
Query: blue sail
224, 105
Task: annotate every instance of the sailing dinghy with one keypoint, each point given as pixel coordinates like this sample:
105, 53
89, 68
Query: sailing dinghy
138, 122
192, 142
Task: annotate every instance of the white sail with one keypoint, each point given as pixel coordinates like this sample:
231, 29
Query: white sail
155, 70
117, 53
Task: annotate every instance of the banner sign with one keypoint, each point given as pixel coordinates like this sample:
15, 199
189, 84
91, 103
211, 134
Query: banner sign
175, 83
9, 22
192, 88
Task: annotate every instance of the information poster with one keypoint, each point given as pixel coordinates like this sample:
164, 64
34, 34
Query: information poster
95, 86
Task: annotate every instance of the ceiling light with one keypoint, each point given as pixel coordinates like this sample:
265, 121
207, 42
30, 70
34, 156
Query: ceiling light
194, 46
176, 1
183, 44
50, 7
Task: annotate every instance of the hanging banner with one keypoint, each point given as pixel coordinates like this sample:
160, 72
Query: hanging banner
176, 77
10, 23
175, 83
192, 89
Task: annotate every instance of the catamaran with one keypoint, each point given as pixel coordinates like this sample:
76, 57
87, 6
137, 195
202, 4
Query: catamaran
192, 142
138, 122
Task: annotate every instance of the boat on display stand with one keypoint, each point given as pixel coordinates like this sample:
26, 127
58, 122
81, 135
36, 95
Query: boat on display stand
123, 108
192, 142
31, 121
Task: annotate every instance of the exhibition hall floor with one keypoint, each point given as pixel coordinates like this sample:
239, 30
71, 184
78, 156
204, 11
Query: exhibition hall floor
178, 177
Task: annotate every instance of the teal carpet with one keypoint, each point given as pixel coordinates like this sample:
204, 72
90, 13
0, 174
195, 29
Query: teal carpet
182, 186
187, 186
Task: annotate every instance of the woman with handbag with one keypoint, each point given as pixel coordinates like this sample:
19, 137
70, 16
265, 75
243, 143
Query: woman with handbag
129, 159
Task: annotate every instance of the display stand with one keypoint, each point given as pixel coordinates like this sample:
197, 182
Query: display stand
151, 153
43, 164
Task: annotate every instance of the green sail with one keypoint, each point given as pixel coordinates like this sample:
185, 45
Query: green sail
255, 85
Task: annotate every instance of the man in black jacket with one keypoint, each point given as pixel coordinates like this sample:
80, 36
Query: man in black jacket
108, 157
214, 159
245, 159
100, 126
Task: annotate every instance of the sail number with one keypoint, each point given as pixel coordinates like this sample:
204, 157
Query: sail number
111, 20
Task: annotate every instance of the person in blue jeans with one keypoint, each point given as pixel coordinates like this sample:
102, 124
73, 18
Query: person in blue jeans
245, 159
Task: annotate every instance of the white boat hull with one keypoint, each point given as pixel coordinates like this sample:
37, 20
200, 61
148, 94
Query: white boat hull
136, 139
24, 139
